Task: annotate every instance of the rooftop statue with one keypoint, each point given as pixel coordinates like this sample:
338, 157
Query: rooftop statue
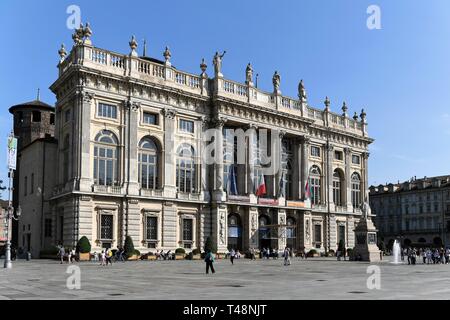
217, 61
249, 74
301, 91
276, 82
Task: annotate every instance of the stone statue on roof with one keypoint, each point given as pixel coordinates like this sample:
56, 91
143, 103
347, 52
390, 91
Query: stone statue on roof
217, 61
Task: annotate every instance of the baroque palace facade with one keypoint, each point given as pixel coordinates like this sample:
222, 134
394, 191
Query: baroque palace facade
130, 132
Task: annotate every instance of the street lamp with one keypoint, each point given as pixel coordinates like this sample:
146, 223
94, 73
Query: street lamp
10, 215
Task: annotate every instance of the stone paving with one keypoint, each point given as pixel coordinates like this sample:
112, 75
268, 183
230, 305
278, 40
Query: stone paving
318, 278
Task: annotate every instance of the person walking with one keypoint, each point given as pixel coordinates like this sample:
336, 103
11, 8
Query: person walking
232, 255
287, 257
61, 253
108, 256
103, 258
209, 260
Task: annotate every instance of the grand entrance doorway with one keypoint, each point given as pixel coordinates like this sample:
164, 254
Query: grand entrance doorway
234, 232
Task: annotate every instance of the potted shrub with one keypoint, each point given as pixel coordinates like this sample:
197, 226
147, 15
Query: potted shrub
196, 254
84, 249
180, 253
130, 252
313, 253
151, 256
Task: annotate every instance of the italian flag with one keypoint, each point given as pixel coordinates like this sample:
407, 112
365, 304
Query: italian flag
307, 190
261, 186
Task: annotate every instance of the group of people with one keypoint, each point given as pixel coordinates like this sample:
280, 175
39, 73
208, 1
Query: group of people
428, 255
169, 255
71, 254
267, 253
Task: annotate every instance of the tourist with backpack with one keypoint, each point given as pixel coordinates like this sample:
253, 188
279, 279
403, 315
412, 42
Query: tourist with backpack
209, 260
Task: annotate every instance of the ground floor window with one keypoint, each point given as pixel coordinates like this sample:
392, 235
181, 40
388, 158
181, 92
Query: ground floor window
187, 233
106, 227
151, 228
318, 235
341, 234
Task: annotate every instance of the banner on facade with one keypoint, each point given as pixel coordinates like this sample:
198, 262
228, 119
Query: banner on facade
12, 152
295, 204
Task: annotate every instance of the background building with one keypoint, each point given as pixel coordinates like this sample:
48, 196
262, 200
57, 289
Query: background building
417, 212
130, 136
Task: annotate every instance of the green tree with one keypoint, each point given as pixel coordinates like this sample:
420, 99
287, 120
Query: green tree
129, 246
83, 245
210, 245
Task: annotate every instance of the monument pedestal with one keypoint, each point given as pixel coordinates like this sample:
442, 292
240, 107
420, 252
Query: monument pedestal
366, 241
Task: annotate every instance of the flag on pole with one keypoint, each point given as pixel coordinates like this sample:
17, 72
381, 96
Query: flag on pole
232, 186
261, 186
307, 190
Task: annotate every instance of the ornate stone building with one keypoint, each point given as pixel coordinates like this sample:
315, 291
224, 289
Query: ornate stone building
416, 212
131, 145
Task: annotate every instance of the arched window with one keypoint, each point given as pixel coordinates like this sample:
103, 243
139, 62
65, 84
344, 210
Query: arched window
65, 154
105, 159
148, 164
356, 190
315, 181
185, 169
337, 188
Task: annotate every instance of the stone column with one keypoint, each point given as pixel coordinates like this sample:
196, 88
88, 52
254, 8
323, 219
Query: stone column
219, 216
329, 175
219, 193
297, 171
169, 187
84, 142
365, 175
281, 219
332, 233
204, 225
250, 165
350, 232
306, 232
348, 182
304, 164
250, 225
276, 160
169, 225
132, 136
85, 213
133, 219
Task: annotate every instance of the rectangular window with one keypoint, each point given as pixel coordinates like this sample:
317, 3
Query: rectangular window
342, 234
67, 116
186, 126
150, 118
315, 151
48, 228
152, 228
318, 233
356, 159
187, 229
107, 111
338, 155
36, 116
106, 227
52, 118
32, 184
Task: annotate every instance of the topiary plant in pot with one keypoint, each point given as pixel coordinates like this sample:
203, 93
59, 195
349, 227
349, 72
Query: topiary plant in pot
84, 249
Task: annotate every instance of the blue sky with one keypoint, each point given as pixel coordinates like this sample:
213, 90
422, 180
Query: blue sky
399, 74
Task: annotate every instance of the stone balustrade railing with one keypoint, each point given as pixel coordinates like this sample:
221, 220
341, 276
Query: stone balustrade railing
166, 74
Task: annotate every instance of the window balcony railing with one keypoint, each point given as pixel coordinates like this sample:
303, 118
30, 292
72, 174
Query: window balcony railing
107, 189
188, 196
150, 192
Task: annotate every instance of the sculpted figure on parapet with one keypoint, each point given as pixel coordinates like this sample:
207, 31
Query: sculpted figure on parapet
217, 61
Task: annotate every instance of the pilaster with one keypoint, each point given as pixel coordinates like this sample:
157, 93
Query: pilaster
169, 221
169, 187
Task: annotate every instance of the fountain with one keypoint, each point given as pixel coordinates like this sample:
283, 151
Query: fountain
396, 251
